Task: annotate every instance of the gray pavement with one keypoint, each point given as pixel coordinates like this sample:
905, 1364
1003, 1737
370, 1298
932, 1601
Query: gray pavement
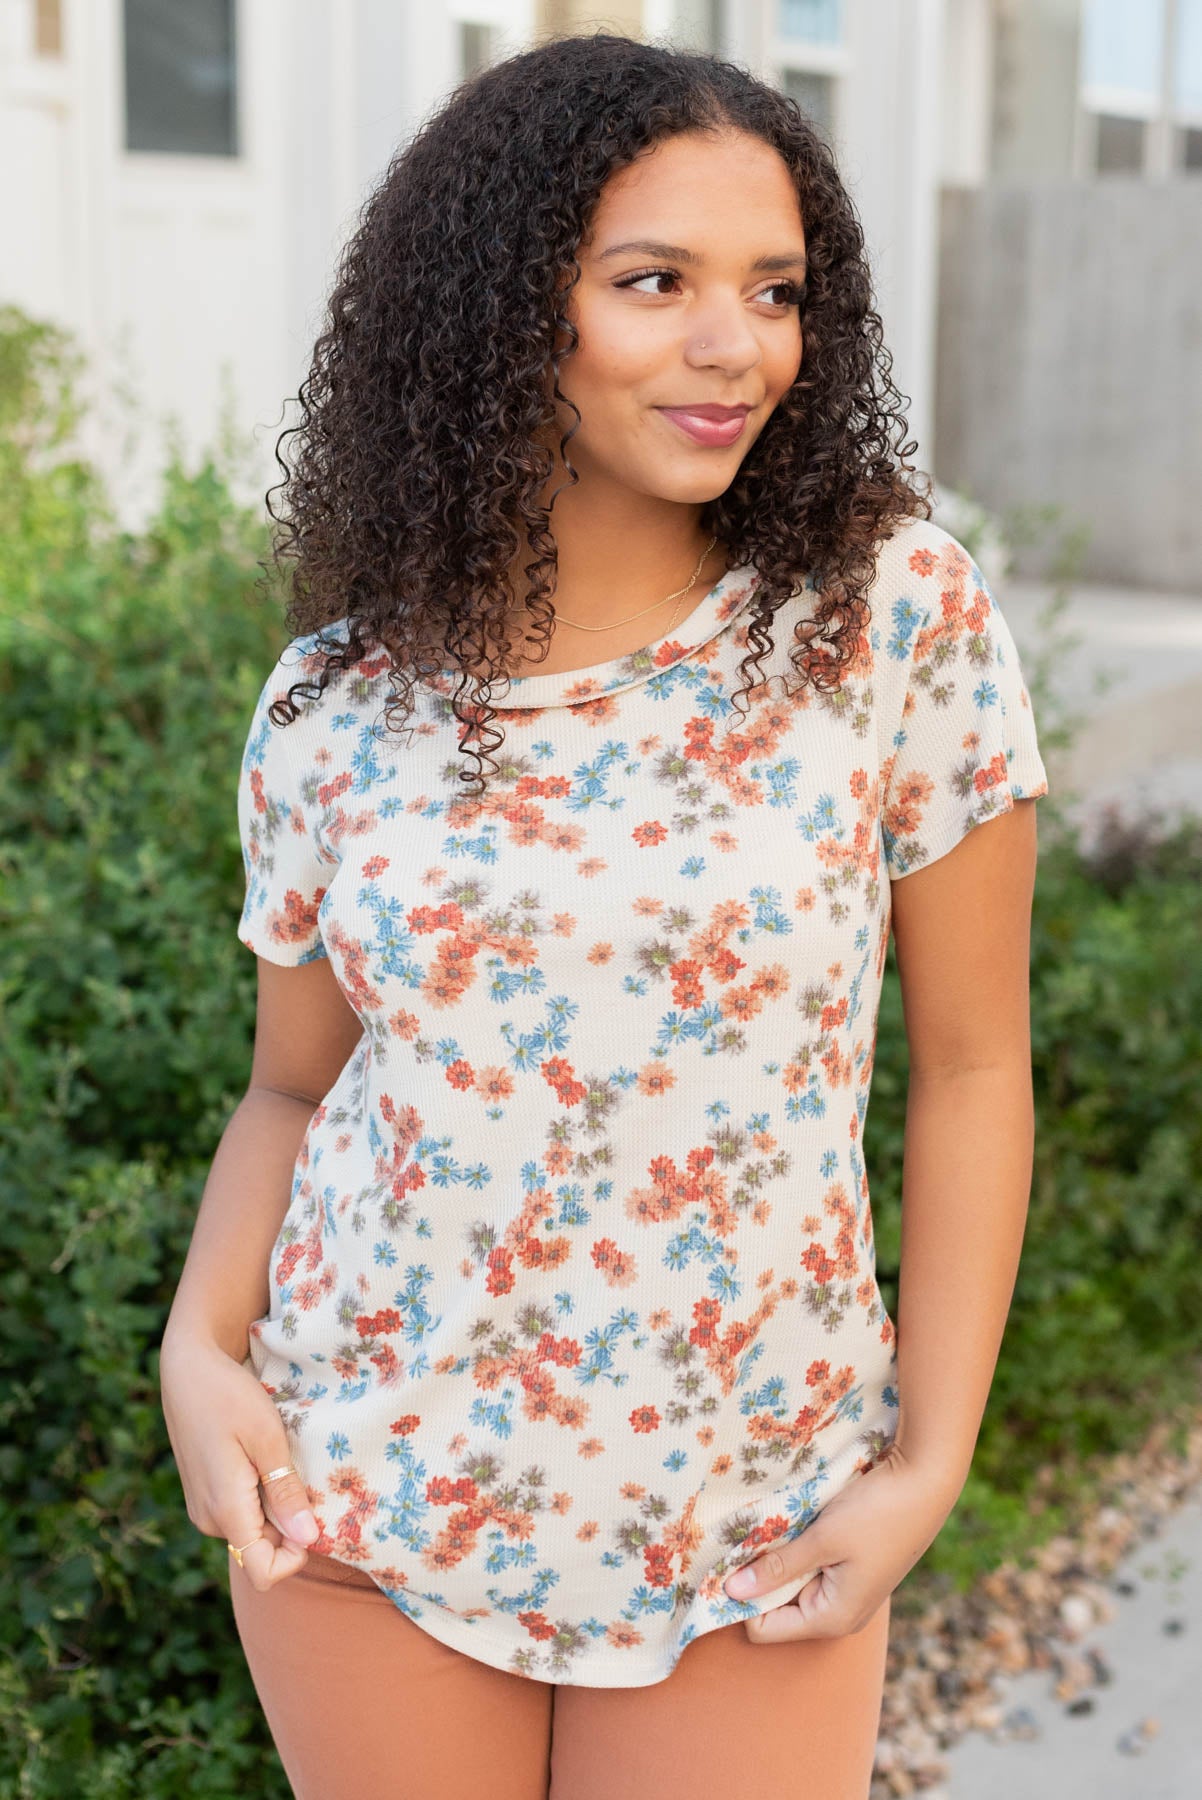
1134, 673
1143, 1738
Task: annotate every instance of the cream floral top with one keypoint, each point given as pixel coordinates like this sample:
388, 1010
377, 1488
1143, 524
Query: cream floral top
574, 1308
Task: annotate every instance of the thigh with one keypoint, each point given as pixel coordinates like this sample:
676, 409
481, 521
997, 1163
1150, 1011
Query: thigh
735, 1719
361, 1701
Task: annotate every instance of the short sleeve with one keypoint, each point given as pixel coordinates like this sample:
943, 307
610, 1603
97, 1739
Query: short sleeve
965, 747
286, 872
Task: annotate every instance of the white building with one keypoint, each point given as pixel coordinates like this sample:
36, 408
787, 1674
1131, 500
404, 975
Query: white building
180, 174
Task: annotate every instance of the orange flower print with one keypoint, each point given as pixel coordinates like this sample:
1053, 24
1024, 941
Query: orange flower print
298, 918
655, 1078
617, 1266
645, 1418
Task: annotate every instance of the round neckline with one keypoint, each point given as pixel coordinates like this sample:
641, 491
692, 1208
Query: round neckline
713, 613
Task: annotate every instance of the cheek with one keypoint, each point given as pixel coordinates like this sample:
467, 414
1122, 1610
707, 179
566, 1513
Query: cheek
609, 383
786, 363
623, 348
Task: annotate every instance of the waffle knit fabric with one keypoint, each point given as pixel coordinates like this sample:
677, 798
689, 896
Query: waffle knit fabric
574, 1307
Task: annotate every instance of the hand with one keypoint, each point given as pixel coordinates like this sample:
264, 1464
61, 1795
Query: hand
226, 1434
857, 1550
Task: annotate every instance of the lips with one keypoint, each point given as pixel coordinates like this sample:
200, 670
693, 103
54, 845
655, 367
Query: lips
718, 426
722, 413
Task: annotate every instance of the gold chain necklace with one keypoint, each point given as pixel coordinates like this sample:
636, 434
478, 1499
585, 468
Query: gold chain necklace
681, 592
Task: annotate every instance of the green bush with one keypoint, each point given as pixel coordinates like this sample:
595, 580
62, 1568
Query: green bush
129, 667
1102, 1336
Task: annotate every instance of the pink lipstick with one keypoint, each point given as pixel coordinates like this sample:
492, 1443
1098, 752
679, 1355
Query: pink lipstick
705, 429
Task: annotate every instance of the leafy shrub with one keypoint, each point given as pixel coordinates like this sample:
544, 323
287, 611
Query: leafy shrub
129, 666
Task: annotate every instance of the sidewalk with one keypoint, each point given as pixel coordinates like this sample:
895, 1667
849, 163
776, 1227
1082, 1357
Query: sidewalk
1141, 744
1139, 1736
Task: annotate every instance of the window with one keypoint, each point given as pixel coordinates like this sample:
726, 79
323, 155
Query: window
1141, 86
1122, 46
476, 48
695, 24
1187, 89
180, 89
1187, 93
1119, 145
814, 94
811, 57
810, 21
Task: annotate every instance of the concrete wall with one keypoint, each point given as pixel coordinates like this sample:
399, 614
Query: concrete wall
1069, 364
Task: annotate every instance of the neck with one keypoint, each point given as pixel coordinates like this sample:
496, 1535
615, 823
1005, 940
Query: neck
618, 551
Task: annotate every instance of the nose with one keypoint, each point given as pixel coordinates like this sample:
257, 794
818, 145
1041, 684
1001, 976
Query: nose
723, 337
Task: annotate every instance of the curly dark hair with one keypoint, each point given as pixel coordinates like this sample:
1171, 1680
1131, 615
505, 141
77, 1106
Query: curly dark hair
419, 438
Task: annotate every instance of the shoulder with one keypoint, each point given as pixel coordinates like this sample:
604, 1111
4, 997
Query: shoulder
325, 687
927, 595
920, 559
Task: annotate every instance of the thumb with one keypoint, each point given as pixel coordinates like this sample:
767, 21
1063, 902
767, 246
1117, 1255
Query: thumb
285, 1500
779, 1573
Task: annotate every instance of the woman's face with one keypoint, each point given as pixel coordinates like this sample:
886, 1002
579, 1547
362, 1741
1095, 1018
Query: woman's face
719, 325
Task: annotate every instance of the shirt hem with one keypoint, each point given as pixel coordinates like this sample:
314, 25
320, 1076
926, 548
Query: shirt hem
468, 1639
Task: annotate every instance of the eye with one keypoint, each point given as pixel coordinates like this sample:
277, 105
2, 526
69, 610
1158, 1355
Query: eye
794, 291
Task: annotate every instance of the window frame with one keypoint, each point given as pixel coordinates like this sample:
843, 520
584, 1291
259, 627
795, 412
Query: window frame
1163, 118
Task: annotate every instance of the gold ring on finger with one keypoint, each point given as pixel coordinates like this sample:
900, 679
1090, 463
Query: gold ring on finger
278, 1474
236, 1553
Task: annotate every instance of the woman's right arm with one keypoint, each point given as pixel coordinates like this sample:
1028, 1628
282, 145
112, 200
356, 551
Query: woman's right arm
224, 1428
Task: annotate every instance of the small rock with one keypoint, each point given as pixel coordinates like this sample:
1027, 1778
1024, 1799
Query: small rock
1076, 1615
986, 1718
945, 1655
1136, 1741
1021, 1724
1076, 1672
949, 1684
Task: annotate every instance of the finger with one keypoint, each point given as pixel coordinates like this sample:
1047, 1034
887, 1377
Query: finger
784, 1606
824, 1609
286, 1504
270, 1558
284, 1500
764, 1574
266, 1556
758, 1576
783, 1624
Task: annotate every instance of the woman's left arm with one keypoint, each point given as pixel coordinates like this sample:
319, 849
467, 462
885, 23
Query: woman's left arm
962, 929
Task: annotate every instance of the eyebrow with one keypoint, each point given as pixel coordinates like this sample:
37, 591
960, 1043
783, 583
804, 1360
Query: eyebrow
794, 259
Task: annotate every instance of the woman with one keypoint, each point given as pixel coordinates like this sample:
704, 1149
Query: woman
529, 1352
